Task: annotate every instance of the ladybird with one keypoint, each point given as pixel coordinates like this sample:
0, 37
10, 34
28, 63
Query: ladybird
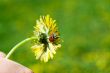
53, 37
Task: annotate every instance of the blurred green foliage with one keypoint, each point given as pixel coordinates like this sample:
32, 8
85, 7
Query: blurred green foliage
84, 27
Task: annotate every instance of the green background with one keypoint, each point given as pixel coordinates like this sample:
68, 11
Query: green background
84, 26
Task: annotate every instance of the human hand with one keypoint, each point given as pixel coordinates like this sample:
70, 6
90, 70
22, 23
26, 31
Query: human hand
9, 66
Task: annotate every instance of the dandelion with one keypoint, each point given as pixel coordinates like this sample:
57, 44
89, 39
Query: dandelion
46, 38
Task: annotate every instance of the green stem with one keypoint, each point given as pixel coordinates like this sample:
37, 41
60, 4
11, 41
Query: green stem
18, 45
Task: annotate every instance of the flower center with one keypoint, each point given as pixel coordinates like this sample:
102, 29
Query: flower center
43, 39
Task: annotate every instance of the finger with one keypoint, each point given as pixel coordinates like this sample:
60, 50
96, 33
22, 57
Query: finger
2, 55
26, 70
23, 70
19, 68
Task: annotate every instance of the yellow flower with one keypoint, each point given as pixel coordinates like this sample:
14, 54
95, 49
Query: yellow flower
48, 38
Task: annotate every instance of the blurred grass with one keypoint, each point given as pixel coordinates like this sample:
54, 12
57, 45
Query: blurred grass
84, 27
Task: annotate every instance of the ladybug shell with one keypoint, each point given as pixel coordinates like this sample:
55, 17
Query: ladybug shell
52, 38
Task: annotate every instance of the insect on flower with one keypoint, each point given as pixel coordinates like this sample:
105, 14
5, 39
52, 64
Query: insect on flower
48, 38
53, 37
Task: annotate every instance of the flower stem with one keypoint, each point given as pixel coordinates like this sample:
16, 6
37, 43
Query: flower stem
18, 45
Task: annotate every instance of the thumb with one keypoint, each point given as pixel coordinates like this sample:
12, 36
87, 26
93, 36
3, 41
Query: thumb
2, 55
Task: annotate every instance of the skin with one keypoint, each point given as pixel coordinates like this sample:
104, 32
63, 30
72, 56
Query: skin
9, 66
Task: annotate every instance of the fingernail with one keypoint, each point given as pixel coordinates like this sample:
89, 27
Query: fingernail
2, 55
